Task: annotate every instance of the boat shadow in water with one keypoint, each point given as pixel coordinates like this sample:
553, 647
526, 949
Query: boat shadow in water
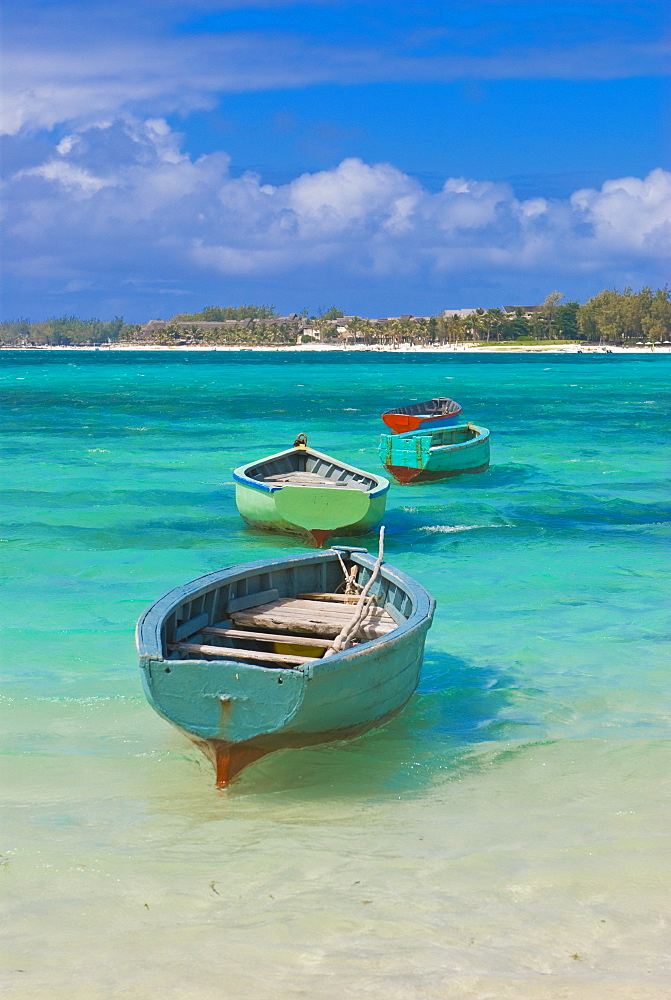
504, 474
456, 708
497, 476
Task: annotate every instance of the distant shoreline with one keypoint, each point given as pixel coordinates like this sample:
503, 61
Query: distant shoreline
377, 349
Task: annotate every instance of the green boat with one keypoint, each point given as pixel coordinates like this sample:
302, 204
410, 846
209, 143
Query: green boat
303, 492
286, 652
426, 456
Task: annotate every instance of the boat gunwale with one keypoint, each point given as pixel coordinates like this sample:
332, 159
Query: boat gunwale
241, 476
409, 409
150, 647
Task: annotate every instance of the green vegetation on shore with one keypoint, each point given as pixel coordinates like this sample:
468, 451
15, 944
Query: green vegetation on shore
610, 317
64, 331
222, 314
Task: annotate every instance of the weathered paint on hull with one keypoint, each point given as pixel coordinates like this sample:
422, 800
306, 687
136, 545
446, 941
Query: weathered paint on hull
405, 474
429, 457
260, 510
237, 712
246, 704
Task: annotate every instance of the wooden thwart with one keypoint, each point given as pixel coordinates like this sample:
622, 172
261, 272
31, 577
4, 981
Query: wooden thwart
313, 618
313, 479
318, 610
228, 653
303, 479
235, 633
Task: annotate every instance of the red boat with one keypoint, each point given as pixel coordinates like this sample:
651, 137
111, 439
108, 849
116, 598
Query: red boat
432, 414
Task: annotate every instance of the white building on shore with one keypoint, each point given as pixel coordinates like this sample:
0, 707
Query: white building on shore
459, 313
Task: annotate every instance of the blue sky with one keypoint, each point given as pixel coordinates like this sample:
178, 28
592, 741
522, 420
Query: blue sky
388, 157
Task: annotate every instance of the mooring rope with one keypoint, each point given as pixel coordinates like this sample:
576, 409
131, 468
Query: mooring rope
361, 607
349, 581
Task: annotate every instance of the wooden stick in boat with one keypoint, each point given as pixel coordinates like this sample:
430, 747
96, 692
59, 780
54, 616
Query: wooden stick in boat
349, 598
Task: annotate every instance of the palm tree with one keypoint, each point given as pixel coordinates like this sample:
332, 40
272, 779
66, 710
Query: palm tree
474, 324
495, 319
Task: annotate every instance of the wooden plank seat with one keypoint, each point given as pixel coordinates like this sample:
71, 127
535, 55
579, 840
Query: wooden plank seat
306, 479
316, 618
298, 640
245, 655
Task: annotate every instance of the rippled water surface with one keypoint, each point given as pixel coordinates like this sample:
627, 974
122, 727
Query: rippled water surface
502, 838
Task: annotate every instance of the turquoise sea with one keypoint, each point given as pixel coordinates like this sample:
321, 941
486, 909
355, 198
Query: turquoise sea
503, 837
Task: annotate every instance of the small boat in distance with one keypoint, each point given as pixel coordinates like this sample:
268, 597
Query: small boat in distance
283, 653
306, 493
438, 412
429, 455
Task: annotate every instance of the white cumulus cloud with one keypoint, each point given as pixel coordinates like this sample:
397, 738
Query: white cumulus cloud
630, 213
121, 197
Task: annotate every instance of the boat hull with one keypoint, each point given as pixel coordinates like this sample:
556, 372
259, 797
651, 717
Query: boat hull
429, 457
307, 518
432, 414
403, 423
336, 705
343, 500
408, 474
238, 712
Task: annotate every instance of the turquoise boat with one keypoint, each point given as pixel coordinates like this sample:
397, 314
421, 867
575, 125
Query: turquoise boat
303, 492
426, 456
285, 652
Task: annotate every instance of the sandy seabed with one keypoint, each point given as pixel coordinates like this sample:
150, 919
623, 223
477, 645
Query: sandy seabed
504, 838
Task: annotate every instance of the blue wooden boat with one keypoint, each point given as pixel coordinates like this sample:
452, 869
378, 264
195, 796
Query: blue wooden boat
425, 456
303, 492
247, 660
431, 414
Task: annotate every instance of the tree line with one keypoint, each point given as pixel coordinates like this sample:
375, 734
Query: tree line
610, 317
222, 314
64, 331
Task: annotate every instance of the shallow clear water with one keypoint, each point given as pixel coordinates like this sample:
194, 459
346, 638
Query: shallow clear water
503, 837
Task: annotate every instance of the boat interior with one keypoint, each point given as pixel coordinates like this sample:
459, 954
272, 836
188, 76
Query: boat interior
450, 436
282, 618
441, 406
303, 467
